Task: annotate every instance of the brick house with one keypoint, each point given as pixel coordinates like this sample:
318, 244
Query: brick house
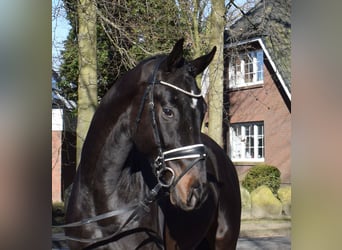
57, 129
258, 88
63, 142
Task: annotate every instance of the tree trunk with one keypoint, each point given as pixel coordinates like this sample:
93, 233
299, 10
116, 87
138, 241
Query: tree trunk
87, 79
196, 37
215, 94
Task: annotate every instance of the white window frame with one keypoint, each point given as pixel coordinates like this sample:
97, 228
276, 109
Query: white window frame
237, 77
239, 148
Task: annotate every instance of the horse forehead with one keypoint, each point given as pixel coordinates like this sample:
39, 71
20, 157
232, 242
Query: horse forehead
185, 102
184, 80
190, 106
193, 101
189, 84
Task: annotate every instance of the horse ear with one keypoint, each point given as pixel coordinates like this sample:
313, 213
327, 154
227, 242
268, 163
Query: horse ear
202, 62
175, 58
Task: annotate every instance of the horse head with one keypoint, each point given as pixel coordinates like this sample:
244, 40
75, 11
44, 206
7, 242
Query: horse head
171, 111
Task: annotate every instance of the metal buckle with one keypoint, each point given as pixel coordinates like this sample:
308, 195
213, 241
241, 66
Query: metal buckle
166, 177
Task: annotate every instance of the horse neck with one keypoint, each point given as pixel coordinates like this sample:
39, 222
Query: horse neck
108, 141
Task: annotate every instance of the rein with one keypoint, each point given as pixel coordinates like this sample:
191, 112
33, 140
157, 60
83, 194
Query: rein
134, 209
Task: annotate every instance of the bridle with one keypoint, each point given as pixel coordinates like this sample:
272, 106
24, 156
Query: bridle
196, 152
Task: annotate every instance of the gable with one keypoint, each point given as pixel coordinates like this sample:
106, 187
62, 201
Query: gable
268, 22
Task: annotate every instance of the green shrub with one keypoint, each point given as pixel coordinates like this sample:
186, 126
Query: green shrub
262, 175
57, 213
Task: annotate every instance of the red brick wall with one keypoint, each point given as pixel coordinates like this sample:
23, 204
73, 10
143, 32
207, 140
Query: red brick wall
56, 165
264, 103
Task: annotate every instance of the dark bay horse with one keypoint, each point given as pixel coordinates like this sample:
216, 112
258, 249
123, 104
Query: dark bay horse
144, 144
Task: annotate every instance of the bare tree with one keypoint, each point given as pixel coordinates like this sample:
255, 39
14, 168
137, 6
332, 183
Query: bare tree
138, 29
87, 80
215, 98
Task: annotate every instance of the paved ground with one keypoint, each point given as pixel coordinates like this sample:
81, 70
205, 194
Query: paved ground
254, 235
264, 243
265, 228
265, 235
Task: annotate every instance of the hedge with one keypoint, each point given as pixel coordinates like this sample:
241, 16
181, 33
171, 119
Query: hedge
262, 175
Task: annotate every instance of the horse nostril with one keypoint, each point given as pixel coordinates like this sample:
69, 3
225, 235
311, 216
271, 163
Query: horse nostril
195, 195
197, 191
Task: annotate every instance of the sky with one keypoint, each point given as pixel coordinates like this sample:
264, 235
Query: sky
60, 30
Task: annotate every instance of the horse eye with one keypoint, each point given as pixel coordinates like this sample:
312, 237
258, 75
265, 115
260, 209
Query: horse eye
168, 112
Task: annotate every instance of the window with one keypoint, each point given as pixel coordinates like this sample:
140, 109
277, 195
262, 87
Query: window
247, 142
246, 69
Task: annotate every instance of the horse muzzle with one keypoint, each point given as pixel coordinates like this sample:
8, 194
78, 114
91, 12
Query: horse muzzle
182, 171
189, 194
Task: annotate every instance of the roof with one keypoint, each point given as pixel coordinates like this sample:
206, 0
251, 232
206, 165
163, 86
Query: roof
270, 22
58, 100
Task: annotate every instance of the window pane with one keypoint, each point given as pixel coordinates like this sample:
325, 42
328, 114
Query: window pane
260, 152
249, 138
237, 143
260, 64
247, 141
260, 129
260, 146
246, 68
